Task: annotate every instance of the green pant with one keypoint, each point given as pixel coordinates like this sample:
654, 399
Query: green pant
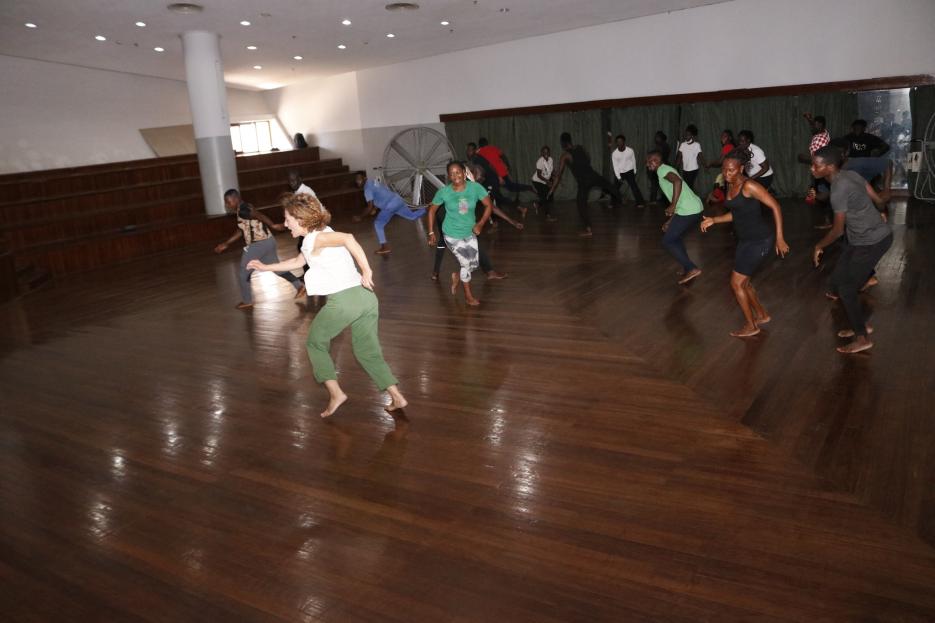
356, 307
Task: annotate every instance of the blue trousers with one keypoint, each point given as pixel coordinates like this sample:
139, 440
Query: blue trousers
672, 240
398, 208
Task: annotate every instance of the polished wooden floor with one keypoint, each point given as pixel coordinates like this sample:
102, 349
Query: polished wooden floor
588, 445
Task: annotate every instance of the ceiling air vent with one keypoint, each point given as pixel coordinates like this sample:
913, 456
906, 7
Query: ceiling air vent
402, 6
186, 8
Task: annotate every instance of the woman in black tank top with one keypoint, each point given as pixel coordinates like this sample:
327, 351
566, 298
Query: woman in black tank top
755, 238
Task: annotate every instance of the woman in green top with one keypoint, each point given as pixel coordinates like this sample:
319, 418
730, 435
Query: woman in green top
684, 211
459, 228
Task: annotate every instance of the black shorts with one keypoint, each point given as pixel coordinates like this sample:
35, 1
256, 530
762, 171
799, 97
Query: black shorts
750, 255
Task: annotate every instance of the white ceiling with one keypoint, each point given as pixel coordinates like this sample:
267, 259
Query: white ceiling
282, 29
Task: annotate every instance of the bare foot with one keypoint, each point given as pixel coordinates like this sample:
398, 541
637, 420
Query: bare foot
396, 405
434, 276
244, 305
472, 302
762, 320
870, 283
454, 283
746, 331
850, 332
860, 344
383, 250
695, 272
493, 275
333, 405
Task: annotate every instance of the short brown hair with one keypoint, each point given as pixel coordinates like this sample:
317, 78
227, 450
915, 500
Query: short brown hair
306, 209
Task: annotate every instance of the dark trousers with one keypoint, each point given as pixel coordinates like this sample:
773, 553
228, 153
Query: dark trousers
493, 187
689, 178
545, 200
630, 178
593, 180
672, 239
854, 267
653, 185
483, 258
514, 187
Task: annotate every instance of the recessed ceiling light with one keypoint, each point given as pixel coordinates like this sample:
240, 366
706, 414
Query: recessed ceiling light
141, 24
297, 57
158, 49
401, 6
390, 35
346, 22
244, 23
100, 38
251, 47
185, 8
29, 25
342, 46
258, 66
444, 23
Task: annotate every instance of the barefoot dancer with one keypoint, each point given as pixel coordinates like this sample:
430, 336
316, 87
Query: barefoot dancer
330, 256
857, 207
459, 229
755, 239
254, 228
577, 159
389, 203
684, 211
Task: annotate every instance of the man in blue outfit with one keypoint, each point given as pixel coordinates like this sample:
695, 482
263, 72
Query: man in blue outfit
389, 203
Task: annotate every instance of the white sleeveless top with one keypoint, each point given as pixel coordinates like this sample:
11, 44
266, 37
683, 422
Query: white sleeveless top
332, 270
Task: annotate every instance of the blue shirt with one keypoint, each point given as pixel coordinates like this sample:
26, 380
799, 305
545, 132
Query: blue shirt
381, 196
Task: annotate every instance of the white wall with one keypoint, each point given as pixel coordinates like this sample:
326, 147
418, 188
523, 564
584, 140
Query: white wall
56, 115
740, 44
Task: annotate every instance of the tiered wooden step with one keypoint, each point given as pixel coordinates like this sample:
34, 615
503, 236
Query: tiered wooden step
68, 220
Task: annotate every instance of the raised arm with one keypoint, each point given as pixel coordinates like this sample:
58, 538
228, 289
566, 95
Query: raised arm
280, 267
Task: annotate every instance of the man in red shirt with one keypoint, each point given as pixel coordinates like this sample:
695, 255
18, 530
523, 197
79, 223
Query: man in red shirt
501, 166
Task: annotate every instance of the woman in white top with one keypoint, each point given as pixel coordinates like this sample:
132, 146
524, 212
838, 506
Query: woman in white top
689, 157
330, 256
542, 179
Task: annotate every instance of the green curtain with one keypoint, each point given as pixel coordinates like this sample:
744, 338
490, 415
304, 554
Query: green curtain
776, 123
521, 137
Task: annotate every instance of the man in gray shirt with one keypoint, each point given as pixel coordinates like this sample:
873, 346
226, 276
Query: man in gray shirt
857, 208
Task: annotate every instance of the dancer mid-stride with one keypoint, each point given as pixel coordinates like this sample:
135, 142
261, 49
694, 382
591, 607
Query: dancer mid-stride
684, 212
460, 230
860, 211
330, 256
755, 238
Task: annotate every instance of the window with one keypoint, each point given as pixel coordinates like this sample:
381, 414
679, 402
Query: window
887, 115
251, 137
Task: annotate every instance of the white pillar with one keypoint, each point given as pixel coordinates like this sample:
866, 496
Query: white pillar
207, 97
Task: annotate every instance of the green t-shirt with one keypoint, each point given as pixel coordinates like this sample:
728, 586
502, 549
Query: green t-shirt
689, 203
459, 208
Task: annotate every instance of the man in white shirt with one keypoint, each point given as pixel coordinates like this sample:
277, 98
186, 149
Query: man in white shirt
297, 186
624, 162
689, 158
758, 168
542, 178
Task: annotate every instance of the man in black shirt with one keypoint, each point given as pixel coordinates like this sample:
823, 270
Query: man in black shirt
860, 144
